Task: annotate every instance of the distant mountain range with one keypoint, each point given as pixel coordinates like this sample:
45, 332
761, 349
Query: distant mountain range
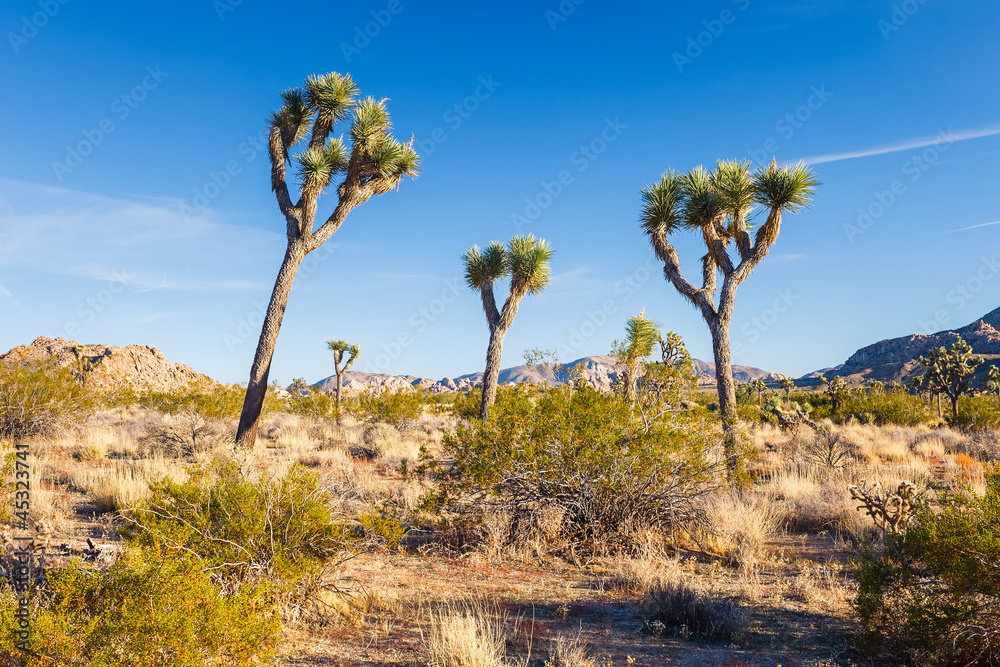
599, 371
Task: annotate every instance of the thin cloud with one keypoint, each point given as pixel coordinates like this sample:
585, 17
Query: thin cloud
8, 295
965, 229
907, 144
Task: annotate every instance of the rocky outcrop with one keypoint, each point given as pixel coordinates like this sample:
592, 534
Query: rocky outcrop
895, 359
105, 367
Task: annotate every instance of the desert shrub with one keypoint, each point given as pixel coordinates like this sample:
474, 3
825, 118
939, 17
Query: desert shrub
977, 414
402, 409
182, 434
676, 605
466, 635
149, 608
608, 468
378, 439
467, 403
40, 398
930, 592
312, 402
891, 407
210, 401
244, 528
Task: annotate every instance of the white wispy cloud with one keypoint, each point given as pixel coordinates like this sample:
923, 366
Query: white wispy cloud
77, 234
944, 136
7, 295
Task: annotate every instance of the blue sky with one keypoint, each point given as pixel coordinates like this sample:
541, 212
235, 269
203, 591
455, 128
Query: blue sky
135, 204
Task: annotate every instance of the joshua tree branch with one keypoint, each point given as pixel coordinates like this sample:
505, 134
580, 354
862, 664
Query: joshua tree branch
279, 156
766, 236
490, 304
666, 253
742, 235
716, 248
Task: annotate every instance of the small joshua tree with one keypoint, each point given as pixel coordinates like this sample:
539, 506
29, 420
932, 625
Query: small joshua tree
836, 389
719, 206
641, 335
759, 387
339, 347
787, 384
950, 371
877, 387
525, 260
371, 163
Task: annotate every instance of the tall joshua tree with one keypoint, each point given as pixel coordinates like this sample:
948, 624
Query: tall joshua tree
787, 384
369, 163
525, 260
719, 205
339, 347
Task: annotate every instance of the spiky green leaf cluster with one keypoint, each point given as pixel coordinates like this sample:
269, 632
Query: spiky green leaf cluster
318, 165
331, 95
699, 197
293, 117
525, 259
641, 336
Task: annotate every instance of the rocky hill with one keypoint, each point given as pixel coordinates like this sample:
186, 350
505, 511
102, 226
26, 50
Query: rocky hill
142, 366
895, 359
599, 371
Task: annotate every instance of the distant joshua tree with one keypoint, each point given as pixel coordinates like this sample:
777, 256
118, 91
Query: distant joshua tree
950, 371
641, 336
339, 347
525, 260
993, 380
371, 163
759, 387
836, 389
787, 384
718, 205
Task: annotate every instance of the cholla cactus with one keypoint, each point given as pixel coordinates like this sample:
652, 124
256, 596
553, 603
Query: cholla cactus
877, 387
889, 510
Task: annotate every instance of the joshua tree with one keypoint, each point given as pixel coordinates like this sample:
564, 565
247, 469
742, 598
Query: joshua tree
641, 336
787, 384
993, 380
339, 347
759, 387
836, 389
877, 387
525, 260
719, 206
950, 371
371, 162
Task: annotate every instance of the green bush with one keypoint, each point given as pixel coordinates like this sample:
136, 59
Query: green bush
312, 402
607, 467
149, 608
889, 408
208, 401
932, 592
38, 399
402, 408
467, 403
281, 527
977, 414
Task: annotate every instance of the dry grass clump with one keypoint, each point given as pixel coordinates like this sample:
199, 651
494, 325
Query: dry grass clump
466, 635
818, 584
521, 535
740, 525
568, 651
679, 607
124, 484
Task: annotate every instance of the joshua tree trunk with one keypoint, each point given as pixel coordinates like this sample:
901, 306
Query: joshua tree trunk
724, 377
954, 405
491, 375
246, 433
